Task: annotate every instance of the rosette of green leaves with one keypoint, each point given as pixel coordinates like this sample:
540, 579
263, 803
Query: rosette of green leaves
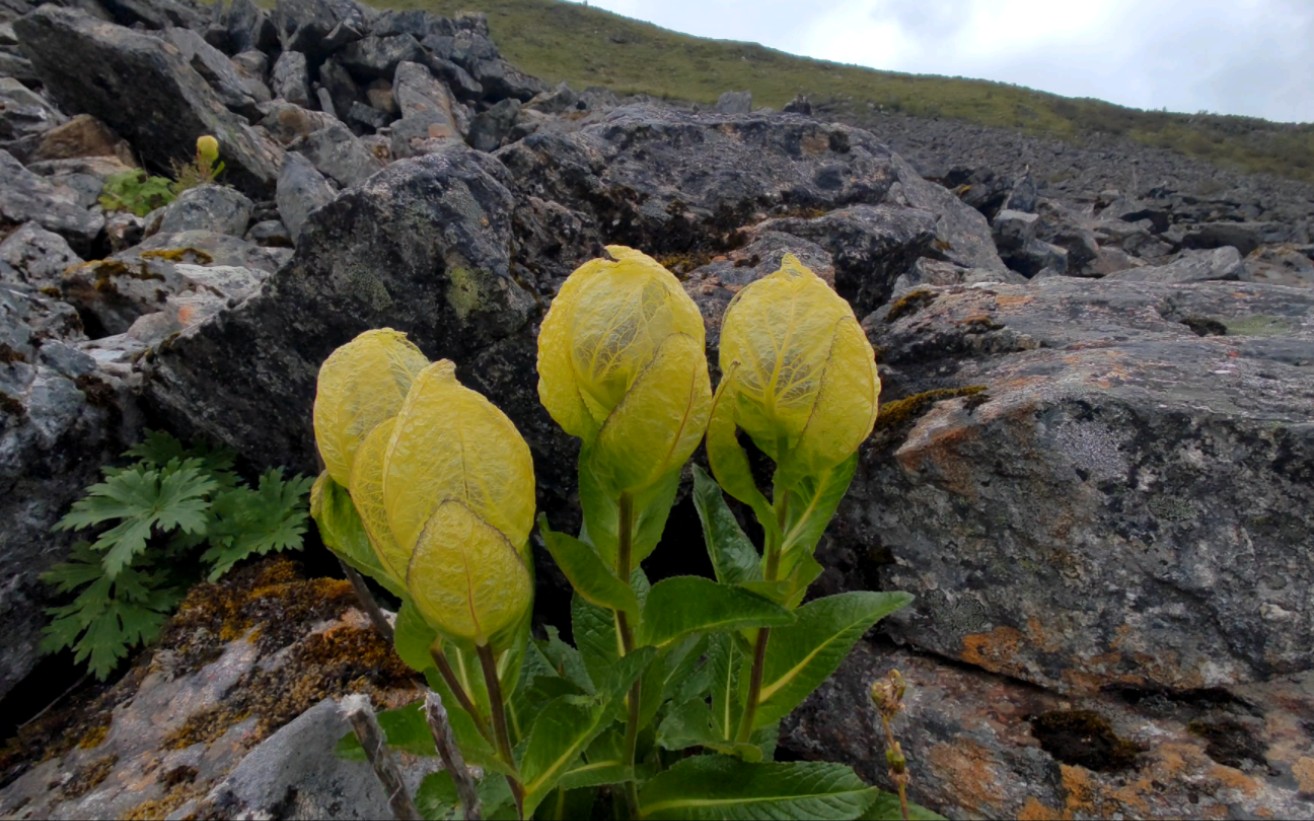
622, 366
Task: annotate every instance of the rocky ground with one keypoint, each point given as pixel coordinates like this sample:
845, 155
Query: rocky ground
1094, 463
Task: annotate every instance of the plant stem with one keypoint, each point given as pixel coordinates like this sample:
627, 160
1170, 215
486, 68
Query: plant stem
454, 684
360, 715
773, 550
625, 556
489, 665
367, 602
441, 729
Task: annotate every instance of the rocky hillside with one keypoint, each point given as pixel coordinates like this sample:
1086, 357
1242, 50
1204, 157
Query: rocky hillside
1094, 464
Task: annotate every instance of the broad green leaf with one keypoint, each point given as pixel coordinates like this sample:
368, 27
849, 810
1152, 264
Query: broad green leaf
691, 725
812, 504
437, 799
803, 655
682, 605
595, 774
341, 530
721, 788
405, 728
886, 808
566, 727
412, 637
592, 579
594, 630
728, 459
800, 569
726, 659
565, 660
733, 555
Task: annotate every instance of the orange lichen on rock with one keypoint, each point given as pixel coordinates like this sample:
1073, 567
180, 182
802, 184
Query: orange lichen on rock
973, 772
1303, 770
996, 651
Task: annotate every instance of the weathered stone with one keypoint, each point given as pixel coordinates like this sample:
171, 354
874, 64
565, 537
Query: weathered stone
734, 102
373, 57
489, 129
291, 78
213, 711
341, 88
1189, 266
422, 96
1174, 468
927, 271
473, 50
287, 122
152, 14
962, 235
145, 91
382, 98
424, 247
25, 197
985, 746
270, 233
1245, 237
83, 177
253, 63
1280, 265
1013, 230
17, 67
319, 27
61, 421
82, 136
217, 70
23, 112
871, 246
206, 207
337, 154
37, 256
366, 115
559, 100
301, 190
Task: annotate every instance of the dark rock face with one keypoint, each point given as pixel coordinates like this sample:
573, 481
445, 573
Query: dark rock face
60, 420
144, 90
1102, 400
26, 197
423, 247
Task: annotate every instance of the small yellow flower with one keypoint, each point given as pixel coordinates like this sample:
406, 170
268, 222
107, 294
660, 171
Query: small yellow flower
799, 377
621, 365
207, 149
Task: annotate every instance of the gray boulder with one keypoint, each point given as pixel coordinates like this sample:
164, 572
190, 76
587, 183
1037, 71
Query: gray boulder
234, 90
373, 57
26, 197
301, 190
429, 112
490, 129
60, 420
205, 207
146, 91
23, 112
291, 78
424, 246
1243, 236
1189, 266
319, 27
734, 102
1281, 265
36, 256
1169, 551
338, 154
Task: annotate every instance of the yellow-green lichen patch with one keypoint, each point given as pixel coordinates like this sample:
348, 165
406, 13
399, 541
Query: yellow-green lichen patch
909, 304
686, 262
88, 777
465, 293
194, 256
1257, 325
894, 415
270, 598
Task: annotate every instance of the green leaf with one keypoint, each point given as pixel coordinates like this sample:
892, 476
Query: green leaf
691, 725
592, 579
158, 449
886, 808
812, 504
601, 511
142, 499
342, 532
726, 659
803, 655
405, 729
253, 522
682, 605
412, 637
733, 555
437, 798
594, 630
566, 726
108, 618
720, 788
565, 660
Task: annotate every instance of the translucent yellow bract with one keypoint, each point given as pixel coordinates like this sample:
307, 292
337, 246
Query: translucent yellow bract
465, 577
800, 375
361, 384
207, 148
367, 496
450, 443
621, 361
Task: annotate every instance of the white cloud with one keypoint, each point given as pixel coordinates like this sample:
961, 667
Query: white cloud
1249, 57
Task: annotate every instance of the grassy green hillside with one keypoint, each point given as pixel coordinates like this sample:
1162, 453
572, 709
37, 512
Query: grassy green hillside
585, 46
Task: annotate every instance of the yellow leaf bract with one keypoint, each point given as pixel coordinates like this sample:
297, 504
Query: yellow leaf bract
367, 495
621, 360
361, 384
801, 376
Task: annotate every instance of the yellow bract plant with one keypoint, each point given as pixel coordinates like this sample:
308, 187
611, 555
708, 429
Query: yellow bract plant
360, 385
799, 377
441, 479
621, 365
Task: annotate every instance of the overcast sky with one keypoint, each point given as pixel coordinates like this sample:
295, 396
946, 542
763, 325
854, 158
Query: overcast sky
1250, 57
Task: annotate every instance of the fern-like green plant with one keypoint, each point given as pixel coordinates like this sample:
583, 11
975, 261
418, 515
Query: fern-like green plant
137, 192
151, 519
